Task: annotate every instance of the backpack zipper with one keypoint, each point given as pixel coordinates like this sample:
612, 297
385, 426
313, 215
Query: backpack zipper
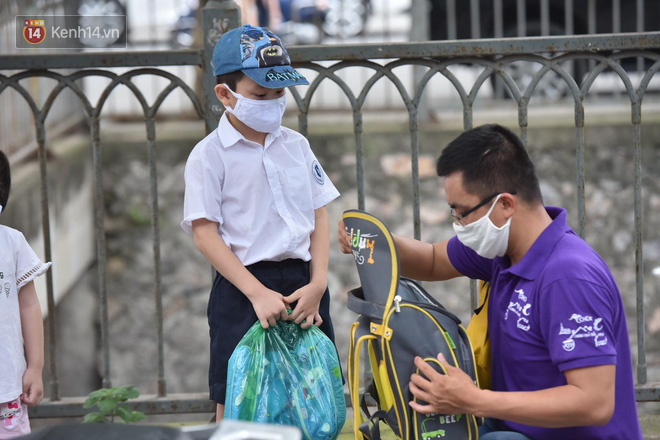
430, 306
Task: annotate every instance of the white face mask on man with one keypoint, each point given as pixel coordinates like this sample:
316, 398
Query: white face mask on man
483, 236
262, 115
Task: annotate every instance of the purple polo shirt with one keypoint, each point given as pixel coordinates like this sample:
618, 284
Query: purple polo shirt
559, 308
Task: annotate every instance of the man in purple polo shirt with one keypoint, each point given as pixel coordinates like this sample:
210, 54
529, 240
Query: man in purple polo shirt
561, 363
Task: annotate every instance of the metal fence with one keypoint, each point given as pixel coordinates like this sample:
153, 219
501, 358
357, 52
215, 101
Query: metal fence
453, 19
323, 64
15, 140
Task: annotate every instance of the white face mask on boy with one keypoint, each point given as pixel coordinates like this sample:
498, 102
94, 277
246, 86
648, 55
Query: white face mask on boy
483, 236
262, 115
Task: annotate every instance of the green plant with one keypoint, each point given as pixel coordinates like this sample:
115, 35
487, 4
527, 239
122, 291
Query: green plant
108, 401
139, 215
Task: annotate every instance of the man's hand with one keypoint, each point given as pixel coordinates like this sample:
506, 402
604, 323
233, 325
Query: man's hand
343, 238
306, 311
33, 387
450, 393
269, 306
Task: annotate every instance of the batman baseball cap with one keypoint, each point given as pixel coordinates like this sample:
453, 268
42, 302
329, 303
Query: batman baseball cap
259, 54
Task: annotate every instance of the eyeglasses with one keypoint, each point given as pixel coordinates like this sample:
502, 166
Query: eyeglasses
459, 217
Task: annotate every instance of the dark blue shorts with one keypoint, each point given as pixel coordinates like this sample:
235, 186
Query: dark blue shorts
230, 313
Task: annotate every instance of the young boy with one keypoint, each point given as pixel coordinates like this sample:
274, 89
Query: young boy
255, 203
21, 325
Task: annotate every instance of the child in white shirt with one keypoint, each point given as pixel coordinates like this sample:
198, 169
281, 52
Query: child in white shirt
255, 203
21, 324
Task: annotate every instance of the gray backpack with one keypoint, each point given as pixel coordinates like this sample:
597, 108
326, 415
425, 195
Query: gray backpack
397, 321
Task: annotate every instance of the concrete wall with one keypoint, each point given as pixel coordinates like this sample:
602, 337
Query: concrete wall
71, 212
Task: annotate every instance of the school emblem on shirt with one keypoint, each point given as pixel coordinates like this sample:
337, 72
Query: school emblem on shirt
318, 173
582, 326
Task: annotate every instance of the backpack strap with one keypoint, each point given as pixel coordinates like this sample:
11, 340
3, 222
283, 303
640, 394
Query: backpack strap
373, 432
372, 393
478, 309
357, 304
387, 416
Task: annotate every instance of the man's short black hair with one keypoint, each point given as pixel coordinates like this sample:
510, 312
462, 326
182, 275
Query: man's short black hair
231, 79
492, 159
5, 180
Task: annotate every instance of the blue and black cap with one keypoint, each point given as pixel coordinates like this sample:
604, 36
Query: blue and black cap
259, 54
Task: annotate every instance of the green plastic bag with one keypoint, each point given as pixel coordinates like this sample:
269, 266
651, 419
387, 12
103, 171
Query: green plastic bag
287, 375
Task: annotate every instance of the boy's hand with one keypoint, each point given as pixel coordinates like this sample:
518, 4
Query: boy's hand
307, 309
342, 237
33, 387
269, 307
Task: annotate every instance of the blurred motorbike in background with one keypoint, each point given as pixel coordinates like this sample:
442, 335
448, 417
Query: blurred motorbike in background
102, 14
301, 22
308, 21
183, 29
346, 18
304, 22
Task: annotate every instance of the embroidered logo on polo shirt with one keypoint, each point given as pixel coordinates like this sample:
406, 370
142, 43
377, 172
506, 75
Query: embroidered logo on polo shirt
318, 173
520, 308
580, 326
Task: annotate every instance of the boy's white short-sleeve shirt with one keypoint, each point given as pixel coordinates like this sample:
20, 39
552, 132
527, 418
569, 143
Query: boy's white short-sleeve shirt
18, 266
263, 198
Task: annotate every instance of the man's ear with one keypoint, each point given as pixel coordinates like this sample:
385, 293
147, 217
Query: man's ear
509, 203
223, 94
